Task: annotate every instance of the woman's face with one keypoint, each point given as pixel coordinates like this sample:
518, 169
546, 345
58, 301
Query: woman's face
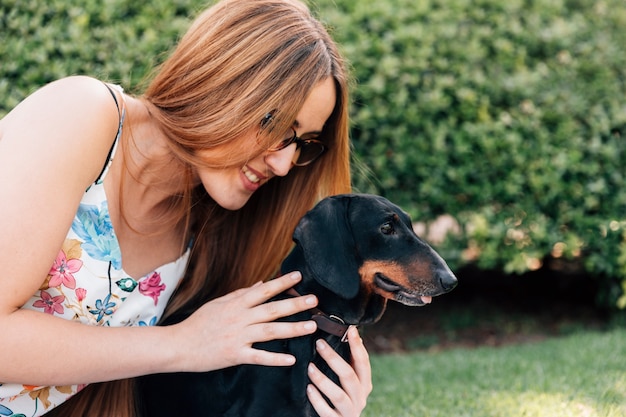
232, 187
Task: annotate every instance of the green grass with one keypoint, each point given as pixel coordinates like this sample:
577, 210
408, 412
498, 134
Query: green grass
581, 375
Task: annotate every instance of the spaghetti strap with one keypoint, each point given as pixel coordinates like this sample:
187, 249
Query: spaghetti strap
121, 111
114, 97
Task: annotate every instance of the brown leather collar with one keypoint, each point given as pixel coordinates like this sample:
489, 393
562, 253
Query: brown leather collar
329, 323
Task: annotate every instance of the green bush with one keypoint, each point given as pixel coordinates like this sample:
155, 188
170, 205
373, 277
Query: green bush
116, 40
507, 115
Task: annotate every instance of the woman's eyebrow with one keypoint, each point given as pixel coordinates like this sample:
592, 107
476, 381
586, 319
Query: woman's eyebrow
296, 125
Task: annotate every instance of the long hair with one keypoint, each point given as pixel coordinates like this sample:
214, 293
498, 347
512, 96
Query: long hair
238, 61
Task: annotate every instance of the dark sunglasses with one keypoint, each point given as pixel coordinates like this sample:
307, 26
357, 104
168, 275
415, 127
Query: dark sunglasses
307, 150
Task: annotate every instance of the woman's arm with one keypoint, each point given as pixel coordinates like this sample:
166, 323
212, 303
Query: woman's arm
47, 350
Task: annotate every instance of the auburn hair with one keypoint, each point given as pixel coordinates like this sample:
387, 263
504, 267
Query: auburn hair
239, 60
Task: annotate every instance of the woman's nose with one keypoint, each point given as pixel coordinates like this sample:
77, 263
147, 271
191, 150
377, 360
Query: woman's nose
280, 162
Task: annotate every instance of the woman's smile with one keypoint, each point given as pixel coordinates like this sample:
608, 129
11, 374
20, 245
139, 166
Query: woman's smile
252, 179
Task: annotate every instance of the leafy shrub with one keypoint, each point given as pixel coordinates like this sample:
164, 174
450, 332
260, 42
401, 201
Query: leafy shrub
508, 115
116, 40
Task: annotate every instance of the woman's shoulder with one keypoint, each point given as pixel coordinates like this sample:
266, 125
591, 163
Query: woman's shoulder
76, 115
77, 92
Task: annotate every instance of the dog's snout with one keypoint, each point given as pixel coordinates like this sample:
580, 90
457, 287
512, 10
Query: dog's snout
448, 281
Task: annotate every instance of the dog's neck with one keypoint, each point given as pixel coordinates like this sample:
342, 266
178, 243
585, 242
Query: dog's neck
328, 323
365, 308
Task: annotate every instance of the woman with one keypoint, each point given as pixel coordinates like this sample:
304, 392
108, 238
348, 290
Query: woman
238, 134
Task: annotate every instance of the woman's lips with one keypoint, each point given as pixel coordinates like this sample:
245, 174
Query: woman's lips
252, 179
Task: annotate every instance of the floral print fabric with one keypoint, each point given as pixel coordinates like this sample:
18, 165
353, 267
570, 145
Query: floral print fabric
86, 283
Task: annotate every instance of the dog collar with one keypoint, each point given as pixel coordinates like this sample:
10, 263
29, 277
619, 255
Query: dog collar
326, 322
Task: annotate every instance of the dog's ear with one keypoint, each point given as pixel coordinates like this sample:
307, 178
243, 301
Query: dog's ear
326, 239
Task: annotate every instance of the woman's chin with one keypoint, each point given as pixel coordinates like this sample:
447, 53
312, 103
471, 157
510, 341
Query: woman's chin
233, 202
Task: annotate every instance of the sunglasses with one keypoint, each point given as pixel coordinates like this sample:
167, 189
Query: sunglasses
307, 150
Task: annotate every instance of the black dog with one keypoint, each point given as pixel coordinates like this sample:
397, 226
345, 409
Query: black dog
355, 252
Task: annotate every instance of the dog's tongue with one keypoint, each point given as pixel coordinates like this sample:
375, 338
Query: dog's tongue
426, 300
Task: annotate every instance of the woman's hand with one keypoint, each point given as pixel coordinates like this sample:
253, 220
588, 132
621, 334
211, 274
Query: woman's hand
221, 333
356, 380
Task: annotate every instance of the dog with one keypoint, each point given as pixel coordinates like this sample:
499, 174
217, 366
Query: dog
355, 252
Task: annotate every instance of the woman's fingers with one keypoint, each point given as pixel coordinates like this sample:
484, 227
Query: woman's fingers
350, 398
360, 360
223, 331
258, 294
335, 393
264, 332
319, 403
255, 298
250, 308
265, 358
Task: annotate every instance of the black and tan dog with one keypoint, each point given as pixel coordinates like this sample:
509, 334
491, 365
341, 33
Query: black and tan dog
355, 252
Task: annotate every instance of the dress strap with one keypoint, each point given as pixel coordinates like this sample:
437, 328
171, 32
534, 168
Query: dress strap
121, 111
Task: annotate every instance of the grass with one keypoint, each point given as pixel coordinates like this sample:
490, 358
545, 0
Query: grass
581, 375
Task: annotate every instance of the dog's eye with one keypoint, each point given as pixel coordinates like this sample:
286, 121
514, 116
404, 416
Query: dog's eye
387, 228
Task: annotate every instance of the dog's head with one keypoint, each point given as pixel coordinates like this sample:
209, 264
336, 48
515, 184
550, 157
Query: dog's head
360, 244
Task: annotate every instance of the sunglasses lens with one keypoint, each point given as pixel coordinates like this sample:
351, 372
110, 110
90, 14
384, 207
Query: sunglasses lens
309, 152
286, 141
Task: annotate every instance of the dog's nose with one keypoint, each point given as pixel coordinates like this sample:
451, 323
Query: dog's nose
448, 281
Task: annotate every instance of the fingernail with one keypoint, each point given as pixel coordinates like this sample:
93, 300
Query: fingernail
310, 325
311, 368
296, 275
354, 332
310, 300
290, 360
320, 344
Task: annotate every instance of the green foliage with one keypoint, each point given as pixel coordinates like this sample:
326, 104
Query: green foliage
508, 115
116, 40
578, 375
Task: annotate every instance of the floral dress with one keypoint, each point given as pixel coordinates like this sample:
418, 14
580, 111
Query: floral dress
86, 283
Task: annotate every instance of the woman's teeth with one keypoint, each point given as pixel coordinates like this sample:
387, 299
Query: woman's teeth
250, 175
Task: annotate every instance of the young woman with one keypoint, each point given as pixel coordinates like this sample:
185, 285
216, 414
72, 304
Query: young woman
115, 206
